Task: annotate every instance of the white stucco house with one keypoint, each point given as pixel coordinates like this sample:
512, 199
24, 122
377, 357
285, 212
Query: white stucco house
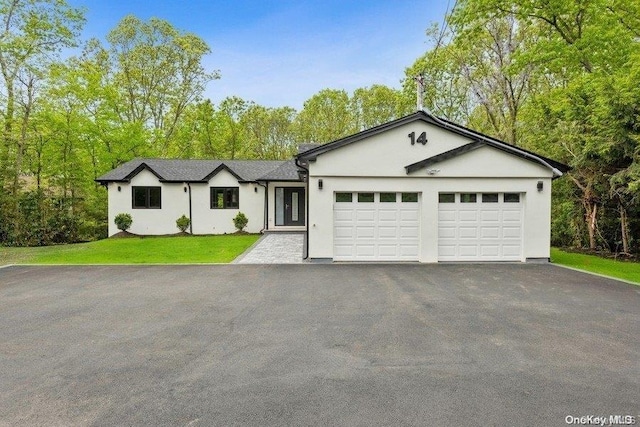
415, 189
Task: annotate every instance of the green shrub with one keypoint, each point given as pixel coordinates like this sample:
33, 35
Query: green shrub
240, 221
183, 223
123, 221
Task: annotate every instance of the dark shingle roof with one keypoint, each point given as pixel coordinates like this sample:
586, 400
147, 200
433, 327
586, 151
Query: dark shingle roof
179, 170
306, 147
288, 171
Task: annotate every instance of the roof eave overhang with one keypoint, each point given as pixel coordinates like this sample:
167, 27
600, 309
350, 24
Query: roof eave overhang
475, 145
279, 180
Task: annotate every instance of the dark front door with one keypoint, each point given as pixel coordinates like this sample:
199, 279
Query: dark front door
290, 206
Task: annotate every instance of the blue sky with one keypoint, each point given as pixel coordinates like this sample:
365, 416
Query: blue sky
279, 53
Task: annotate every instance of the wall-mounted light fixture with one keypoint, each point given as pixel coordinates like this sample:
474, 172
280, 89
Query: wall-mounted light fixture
255, 189
320, 184
119, 188
185, 189
540, 185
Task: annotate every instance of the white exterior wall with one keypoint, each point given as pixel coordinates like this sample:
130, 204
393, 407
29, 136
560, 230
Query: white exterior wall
386, 154
377, 165
220, 221
175, 203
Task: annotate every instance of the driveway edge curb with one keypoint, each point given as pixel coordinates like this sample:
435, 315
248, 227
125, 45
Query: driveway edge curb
604, 276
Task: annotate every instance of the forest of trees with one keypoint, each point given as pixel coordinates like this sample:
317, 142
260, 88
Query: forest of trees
559, 77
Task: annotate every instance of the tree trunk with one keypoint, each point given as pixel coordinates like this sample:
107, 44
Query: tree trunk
591, 212
624, 228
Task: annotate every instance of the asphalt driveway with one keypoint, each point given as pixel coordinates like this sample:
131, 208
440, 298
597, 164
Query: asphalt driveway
363, 345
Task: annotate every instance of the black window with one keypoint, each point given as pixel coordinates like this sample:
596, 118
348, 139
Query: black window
468, 197
387, 197
447, 198
511, 197
365, 197
225, 198
410, 197
146, 198
344, 197
489, 197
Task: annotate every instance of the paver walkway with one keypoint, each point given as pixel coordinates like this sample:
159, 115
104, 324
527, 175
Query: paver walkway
275, 248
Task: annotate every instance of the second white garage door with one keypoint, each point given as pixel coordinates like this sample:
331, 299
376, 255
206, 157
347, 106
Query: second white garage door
376, 226
480, 227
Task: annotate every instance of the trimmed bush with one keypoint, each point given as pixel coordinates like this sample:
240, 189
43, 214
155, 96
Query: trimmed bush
240, 221
123, 221
183, 223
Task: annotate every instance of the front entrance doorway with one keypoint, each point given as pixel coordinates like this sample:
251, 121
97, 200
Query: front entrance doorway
290, 206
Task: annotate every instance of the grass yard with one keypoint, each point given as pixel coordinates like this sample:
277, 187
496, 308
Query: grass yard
620, 269
135, 250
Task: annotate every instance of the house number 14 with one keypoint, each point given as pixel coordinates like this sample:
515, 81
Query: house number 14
422, 139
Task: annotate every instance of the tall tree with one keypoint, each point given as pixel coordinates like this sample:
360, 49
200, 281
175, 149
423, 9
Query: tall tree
326, 116
159, 73
378, 104
233, 109
32, 32
269, 132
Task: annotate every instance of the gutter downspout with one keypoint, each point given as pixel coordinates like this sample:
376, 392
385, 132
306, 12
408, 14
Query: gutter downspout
190, 211
306, 240
266, 206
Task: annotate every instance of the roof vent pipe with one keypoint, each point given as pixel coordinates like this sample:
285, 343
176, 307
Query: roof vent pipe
419, 91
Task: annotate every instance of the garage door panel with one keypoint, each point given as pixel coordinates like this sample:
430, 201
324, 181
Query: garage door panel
511, 250
490, 215
468, 232
344, 251
447, 216
388, 251
448, 251
365, 232
489, 232
480, 231
408, 251
343, 215
388, 232
467, 216
512, 232
490, 251
447, 232
364, 250
468, 250
343, 232
409, 233
511, 215
365, 215
388, 215
409, 215
384, 231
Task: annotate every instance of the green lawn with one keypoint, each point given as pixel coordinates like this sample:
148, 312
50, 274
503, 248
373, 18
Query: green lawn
135, 250
620, 269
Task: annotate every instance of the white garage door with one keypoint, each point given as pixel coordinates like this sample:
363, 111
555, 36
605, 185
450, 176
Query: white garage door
480, 227
376, 226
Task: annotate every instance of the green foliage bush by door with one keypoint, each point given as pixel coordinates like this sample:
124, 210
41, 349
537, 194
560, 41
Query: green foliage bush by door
240, 221
183, 223
123, 221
